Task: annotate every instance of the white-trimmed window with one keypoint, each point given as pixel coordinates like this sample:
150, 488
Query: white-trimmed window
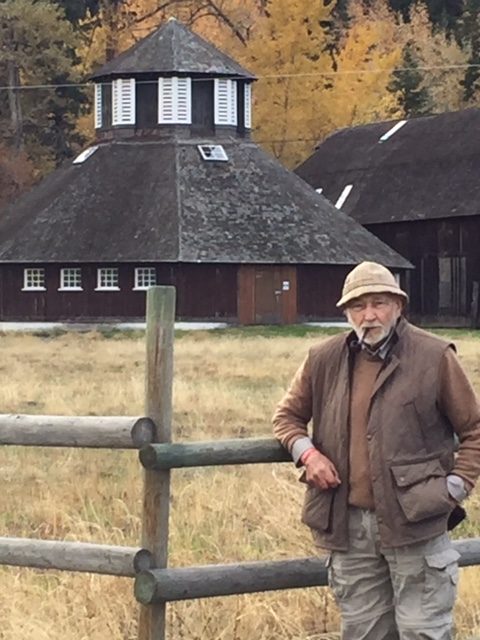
248, 106
145, 277
98, 106
107, 279
174, 100
71, 279
34, 279
123, 101
225, 101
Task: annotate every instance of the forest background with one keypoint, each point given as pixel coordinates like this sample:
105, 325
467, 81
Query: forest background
321, 65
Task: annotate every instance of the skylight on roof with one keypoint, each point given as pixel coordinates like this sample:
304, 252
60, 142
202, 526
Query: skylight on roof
343, 196
85, 155
213, 152
393, 130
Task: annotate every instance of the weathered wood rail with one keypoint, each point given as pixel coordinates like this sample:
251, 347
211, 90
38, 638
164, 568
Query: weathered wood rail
102, 432
156, 584
74, 556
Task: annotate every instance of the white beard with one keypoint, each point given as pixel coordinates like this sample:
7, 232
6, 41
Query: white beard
375, 332
372, 335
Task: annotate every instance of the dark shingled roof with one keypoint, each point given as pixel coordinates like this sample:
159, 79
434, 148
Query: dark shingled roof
159, 201
429, 168
173, 49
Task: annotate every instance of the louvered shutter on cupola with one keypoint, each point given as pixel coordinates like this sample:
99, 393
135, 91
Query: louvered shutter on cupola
174, 100
248, 105
98, 106
184, 100
123, 101
165, 100
225, 102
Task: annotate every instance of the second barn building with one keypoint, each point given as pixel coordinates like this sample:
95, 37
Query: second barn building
415, 184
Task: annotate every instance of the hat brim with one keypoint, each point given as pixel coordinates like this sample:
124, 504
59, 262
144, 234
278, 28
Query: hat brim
371, 288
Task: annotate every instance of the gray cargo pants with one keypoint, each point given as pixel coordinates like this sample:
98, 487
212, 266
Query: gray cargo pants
393, 594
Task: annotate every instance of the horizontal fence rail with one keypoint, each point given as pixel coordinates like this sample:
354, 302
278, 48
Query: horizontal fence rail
74, 556
100, 432
204, 454
157, 585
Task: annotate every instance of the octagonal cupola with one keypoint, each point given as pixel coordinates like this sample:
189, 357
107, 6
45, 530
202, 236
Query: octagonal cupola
172, 80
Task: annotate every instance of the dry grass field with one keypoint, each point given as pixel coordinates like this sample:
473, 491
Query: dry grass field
226, 385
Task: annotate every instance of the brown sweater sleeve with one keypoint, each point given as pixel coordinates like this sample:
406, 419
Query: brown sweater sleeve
458, 401
294, 411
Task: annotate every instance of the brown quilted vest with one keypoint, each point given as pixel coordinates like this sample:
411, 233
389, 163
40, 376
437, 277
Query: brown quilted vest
410, 443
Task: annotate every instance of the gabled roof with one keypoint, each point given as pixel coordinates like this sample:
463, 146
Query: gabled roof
172, 49
160, 201
429, 168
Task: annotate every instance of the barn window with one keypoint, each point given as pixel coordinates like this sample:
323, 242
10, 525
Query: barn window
71, 279
34, 279
107, 279
145, 277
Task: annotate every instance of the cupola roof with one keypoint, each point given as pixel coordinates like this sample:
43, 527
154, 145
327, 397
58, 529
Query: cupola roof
169, 50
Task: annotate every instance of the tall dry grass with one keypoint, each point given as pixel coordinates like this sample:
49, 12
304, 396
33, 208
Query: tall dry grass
224, 387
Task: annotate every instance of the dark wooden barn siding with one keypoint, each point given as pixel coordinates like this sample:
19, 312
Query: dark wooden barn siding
204, 291
249, 294
447, 261
319, 287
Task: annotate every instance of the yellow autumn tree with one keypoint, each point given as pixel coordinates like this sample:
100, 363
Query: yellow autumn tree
440, 61
369, 50
287, 50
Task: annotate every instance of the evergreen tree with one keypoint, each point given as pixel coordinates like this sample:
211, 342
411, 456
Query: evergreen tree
408, 83
442, 13
77, 11
37, 47
468, 35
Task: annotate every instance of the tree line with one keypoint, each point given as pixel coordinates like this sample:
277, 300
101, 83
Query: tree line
321, 64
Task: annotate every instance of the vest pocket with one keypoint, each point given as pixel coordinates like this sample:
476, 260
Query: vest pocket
421, 489
317, 508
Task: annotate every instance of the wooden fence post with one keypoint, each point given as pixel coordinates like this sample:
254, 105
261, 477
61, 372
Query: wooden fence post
158, 407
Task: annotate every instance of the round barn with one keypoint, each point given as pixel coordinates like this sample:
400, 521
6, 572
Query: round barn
174, 191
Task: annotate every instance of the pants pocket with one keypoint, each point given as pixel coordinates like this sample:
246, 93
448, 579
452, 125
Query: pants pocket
336, 581
441, 577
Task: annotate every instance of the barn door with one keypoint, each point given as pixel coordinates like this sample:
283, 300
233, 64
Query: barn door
268, 293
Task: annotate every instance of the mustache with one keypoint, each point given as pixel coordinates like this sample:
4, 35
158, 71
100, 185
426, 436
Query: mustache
364, 335
365, 330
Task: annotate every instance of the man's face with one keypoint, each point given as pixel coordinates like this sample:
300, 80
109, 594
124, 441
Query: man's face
377, 313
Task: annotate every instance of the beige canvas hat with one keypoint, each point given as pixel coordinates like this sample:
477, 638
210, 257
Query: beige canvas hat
369, 277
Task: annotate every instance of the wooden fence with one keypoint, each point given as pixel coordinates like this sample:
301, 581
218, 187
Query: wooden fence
155, 583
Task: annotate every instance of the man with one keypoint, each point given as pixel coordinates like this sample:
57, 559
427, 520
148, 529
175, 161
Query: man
385, 402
